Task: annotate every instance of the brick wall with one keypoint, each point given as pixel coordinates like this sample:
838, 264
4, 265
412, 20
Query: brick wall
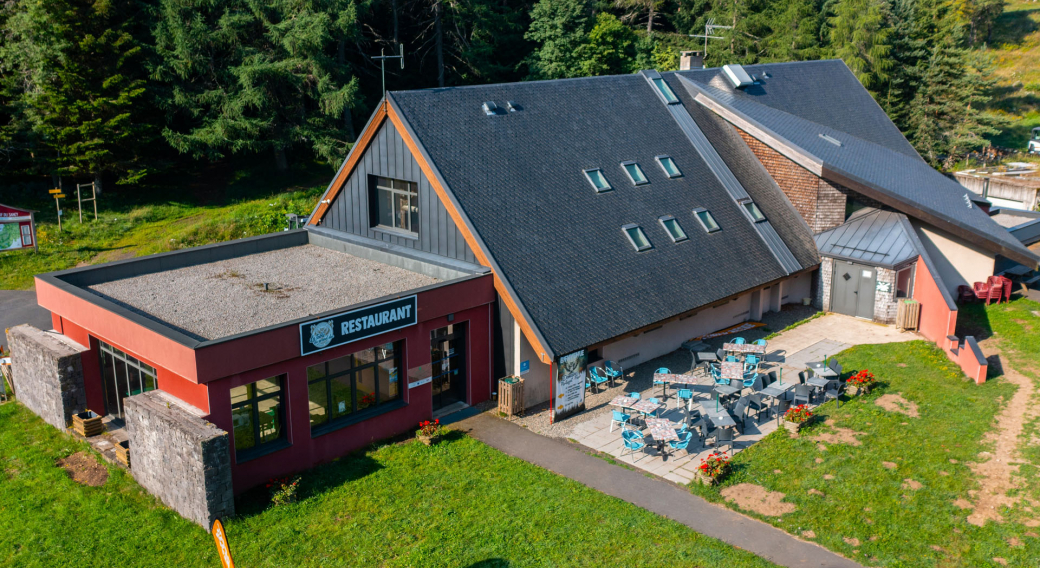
48, 373
822, 300
179, 457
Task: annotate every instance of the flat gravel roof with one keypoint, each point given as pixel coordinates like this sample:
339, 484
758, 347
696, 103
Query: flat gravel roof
218, 299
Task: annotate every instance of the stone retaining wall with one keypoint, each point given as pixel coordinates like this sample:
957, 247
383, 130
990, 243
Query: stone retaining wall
48, 373
179, 457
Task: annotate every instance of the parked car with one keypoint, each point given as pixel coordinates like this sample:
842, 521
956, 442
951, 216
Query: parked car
1034, 144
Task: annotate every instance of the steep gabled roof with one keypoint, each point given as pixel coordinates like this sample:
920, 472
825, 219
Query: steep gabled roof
894, 178
518, 180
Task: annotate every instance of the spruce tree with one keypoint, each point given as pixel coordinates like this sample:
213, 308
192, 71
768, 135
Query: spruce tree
558, 27
859, 35
256, 76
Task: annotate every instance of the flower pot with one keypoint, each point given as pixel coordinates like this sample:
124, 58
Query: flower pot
707, 479
428, 440
87, 424
792, 427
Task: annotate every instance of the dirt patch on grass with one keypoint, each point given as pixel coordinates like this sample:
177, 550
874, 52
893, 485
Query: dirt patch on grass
838, 435
997, 474
962, 504
890, 465
851, 541
896, 403
757, 499
911, 484
83, 468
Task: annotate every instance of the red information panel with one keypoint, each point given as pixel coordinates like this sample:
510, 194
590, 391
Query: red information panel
16, 228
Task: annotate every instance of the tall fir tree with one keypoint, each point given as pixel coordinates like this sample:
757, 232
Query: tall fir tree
75, 79
860, 36
558, 28
256, 76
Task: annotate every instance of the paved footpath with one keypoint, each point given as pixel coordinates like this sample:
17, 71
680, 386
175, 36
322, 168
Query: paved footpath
655, 495
18, 307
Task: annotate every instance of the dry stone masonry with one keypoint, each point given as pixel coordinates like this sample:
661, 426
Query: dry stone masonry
179, 457
48, 373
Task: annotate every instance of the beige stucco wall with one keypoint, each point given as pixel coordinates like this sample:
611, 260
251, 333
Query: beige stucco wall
958, 261
536, 379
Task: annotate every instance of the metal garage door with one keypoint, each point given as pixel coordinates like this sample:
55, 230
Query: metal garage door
852, 291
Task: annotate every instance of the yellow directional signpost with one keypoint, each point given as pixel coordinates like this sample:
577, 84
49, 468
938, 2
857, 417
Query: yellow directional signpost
57, 196
223, 549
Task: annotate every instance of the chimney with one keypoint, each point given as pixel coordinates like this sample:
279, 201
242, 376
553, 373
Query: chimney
691, 60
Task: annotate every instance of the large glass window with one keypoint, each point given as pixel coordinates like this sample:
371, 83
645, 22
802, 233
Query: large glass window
123, 376
395, 204
257, 414
352, 383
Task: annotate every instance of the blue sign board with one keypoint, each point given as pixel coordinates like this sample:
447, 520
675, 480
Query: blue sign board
525, 366
340, 329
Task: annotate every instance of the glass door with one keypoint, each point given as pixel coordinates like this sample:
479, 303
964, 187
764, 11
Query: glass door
448, 357
123, 376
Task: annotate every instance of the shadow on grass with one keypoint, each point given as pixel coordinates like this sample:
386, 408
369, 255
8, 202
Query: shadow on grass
312, 482
490, 563
973, 320
1013, 27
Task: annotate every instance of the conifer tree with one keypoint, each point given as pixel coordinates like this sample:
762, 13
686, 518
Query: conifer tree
559, 28
859, 35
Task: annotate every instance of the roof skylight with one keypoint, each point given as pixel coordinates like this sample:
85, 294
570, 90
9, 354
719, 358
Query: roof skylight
669, 167
598, 180
753, 211
636, 237
671, 225
634, 173
707, 221
665, 90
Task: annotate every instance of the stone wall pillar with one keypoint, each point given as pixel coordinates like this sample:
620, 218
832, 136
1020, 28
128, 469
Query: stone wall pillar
48, 373
179, 457
823, 290
885, 304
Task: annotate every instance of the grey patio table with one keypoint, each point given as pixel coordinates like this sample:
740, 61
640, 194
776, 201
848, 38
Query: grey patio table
719, 418
821, 368
776, 391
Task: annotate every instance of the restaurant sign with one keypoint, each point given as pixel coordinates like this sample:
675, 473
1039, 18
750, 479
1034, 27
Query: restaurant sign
340, 329
569, 387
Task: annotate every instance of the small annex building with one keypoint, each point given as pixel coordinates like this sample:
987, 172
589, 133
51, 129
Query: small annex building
532, 229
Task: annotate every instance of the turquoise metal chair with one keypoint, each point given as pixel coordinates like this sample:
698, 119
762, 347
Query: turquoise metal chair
751, 363
683, 396
664, 385
613, 373
683, 443
634, 395
716, 375
654, 413
596, 378
738, 340
632, 445
761, 342
731, 358
619, 418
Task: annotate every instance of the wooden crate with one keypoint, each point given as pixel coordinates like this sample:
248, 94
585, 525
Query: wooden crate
908, 315
511, 396
123, 453
5, 372
87, 424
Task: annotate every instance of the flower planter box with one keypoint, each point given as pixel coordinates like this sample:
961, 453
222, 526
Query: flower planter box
87, 424
707, 479
856, 390
123, 453
428, 440
792, 427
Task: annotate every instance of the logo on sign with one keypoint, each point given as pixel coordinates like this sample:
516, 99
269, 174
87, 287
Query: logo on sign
322, 334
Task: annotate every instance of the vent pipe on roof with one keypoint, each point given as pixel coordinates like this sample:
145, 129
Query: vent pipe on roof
737, 76
691, 60
490, 108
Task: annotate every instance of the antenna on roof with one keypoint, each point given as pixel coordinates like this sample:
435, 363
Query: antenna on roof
709, 27
382, 57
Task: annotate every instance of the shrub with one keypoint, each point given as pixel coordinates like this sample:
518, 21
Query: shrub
715, 465
284, 490
798, 414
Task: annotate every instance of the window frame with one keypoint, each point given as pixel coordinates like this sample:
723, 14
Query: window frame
626, 164
260, 448
664, 219
602, 176
374, 194
696, 213
629, 226
144, 370
660, 162
911, 280
354, 371
665, 90
744, 205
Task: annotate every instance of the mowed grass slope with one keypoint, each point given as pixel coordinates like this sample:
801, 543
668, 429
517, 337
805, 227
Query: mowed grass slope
869, 512
1015, 47
457, 504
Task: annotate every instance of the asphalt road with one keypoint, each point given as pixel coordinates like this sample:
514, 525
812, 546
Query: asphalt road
18, 307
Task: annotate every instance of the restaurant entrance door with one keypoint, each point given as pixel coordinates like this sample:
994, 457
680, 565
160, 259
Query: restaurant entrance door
122, 376
448, 365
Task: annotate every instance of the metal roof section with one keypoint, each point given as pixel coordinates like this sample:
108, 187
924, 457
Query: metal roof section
870, 236
737, 76
1028, 232
718, 167
897, 180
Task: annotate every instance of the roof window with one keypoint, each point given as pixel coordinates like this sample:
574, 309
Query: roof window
490, 108
669, 167
634, 173
737, 75
636, 237
707, 221
665, 90
753, 211
671, 225
598, 180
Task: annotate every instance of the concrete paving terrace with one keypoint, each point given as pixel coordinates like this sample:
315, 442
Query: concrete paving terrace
655, 495
790, 351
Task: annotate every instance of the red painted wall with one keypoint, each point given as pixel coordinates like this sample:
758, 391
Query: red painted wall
939, 323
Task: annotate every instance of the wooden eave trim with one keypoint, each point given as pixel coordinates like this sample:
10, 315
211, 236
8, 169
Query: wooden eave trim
818, 168
355, 155
545, 355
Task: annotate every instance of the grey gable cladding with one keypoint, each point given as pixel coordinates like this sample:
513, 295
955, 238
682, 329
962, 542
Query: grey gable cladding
518, 178
825, 92
908, 180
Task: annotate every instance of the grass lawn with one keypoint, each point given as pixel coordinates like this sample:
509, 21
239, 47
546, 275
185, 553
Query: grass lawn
196, 209
892, 524
456, 504
1015, 48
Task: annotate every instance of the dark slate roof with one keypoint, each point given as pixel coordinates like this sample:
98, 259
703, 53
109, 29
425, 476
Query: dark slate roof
871, 236
517, 177
825, 92
905, 179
